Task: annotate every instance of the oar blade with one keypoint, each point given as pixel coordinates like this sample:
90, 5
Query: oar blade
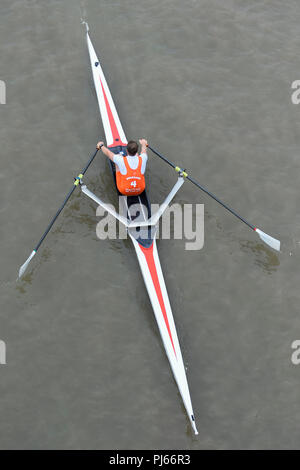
25, 265
194, 426
272, 242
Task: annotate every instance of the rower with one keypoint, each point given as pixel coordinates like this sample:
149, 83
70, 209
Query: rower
130, 169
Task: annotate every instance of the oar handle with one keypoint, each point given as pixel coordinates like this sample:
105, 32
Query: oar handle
203, 188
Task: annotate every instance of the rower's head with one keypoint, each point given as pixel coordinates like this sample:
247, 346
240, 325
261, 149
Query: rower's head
132, 147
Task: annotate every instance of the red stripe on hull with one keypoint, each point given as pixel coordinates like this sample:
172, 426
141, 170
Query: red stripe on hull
148, 253
113, 126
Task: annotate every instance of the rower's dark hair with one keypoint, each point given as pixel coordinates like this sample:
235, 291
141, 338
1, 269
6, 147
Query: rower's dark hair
132, 147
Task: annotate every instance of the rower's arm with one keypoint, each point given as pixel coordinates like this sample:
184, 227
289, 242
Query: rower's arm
144, 149
106, 151
144, 145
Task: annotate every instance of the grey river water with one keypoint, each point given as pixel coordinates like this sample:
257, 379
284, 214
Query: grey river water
208, 82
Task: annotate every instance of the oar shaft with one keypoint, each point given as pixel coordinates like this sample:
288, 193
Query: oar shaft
64, 203
89, 162
204, 189
54, 218
162, 157
220, 202
76, 182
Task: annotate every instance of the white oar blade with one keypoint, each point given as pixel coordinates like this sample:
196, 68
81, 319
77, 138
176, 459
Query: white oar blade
272, 242
194, 428
24, 266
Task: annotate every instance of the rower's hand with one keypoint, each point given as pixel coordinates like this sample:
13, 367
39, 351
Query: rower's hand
99, 145
143, 142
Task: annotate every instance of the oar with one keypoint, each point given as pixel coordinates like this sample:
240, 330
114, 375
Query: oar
75, 184
272, 242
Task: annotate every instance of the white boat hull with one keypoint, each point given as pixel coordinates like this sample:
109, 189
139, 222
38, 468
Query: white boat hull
146, 249
154, 280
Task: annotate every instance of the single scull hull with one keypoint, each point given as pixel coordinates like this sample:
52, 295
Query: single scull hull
145, 244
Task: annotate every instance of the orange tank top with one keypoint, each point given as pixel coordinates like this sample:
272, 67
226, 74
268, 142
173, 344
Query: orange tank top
133, 183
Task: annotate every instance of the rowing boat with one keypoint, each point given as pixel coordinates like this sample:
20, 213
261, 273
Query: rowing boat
141, 228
